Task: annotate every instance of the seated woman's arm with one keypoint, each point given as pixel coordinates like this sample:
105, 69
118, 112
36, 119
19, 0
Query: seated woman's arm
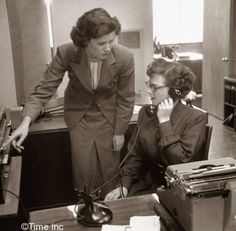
132, 166
175, 149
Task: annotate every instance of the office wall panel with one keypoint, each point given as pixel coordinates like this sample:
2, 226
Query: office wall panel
7, 81
216, 45
30, 43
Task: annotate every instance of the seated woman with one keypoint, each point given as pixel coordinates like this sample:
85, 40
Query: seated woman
174, 135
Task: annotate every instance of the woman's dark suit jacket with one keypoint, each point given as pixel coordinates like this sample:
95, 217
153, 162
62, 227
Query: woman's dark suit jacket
179, 140
114, 95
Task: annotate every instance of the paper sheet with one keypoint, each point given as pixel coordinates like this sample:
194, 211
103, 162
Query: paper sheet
115, 228
137, 223
144, 223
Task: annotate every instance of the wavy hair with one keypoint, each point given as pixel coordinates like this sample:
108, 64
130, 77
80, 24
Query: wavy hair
93, 24
178, 76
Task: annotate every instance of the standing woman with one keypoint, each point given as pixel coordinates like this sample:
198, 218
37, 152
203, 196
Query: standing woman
98, 100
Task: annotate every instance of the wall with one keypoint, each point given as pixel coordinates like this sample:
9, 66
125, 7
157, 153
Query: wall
30, 43
132, 14
7, 84
26, 50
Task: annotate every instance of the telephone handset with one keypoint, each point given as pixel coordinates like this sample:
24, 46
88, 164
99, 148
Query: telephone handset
151, 110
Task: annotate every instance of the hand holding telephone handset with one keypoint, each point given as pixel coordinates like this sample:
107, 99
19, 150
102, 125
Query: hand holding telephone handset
162, 111
164, 108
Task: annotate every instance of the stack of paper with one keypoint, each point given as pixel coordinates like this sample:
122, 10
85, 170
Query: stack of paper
144, 223
137, 223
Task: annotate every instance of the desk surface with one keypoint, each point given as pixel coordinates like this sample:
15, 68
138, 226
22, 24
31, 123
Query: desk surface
122, 210
57, 123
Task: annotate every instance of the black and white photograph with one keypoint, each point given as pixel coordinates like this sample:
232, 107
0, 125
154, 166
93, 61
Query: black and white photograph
118, 115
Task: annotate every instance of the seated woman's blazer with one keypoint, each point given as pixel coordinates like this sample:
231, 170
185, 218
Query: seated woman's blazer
158, 145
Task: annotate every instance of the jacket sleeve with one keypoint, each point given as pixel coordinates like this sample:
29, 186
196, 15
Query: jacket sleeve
125, 97
175, 149
46, 87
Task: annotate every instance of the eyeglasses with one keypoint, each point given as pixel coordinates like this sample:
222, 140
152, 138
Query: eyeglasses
154, 87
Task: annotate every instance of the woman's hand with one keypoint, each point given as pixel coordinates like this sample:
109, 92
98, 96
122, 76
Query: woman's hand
116, 194
118, 142
18, 136
165, 109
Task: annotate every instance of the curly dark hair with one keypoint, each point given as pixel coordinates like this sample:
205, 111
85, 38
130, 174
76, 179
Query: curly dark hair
93, 24
178, 76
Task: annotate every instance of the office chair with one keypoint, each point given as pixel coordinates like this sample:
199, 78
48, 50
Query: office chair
209, 129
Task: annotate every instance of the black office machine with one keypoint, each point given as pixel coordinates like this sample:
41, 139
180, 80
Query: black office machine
4, 151
202, 195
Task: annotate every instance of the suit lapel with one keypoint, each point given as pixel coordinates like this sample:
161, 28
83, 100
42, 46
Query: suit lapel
107, 71
82, 70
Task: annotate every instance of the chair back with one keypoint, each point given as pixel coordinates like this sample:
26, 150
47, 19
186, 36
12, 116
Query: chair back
209, 129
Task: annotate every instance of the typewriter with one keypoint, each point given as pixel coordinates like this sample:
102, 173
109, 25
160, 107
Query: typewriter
201, 195
5, 128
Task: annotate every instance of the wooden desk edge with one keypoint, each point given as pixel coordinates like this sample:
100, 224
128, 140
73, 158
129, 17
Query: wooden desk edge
55, 124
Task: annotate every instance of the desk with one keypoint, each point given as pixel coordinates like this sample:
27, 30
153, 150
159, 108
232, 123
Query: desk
122, 210
46, 162
46, 173
46, 166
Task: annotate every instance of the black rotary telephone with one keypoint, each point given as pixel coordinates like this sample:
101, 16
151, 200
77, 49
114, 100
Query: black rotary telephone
94, 213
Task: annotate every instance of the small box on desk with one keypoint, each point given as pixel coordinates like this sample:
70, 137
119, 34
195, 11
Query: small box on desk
199, 195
